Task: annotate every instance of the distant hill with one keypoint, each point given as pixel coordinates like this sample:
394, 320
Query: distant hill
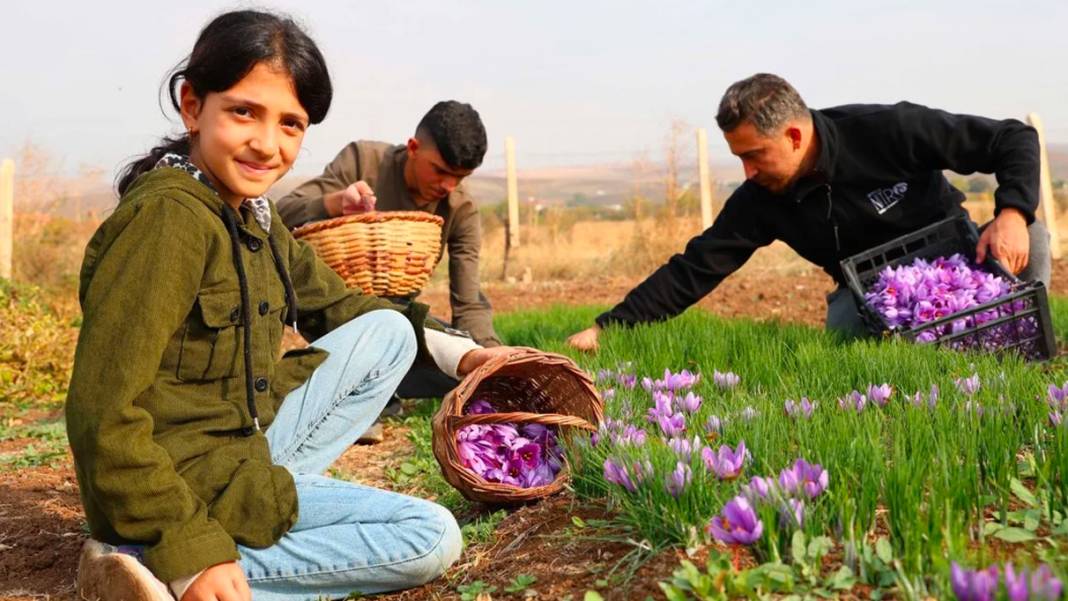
588, 184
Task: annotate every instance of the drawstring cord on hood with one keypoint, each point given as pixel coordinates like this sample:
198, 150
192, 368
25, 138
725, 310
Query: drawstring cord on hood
291, 295
230, 219
246, 321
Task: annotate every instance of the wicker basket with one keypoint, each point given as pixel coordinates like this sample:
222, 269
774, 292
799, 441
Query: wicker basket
387, 253
527, 386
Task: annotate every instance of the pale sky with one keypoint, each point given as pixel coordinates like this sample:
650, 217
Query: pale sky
575, 82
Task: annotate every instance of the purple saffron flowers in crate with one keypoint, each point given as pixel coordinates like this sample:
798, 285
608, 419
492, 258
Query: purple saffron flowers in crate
908, 296
525, 456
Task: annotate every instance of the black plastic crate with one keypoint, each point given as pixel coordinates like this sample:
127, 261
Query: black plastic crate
1019, 321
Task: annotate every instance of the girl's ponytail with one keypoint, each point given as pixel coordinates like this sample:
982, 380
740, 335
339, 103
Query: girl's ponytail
135, 168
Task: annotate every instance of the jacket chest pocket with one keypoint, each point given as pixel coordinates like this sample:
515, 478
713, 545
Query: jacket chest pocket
211, 338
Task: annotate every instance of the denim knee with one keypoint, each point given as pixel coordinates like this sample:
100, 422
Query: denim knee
444, 551
394, 332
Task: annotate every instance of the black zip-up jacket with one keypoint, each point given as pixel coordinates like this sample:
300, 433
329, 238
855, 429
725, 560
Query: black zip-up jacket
878, 176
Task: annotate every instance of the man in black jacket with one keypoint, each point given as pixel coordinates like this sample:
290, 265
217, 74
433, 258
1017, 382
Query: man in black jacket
834, 182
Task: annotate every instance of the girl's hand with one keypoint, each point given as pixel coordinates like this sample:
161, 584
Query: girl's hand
220, 582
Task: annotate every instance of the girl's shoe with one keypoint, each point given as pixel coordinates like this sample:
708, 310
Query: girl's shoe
107, 574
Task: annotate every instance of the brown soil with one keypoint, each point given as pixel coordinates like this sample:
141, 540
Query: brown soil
797, 298
42, 525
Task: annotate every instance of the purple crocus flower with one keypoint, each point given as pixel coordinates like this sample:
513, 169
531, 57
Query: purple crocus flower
678, 479
714, 425
616, 473
1044, 585
689, 403
854, 401
748, 413
880, 395
685, 448
526, 455
758, 489
804, 478
662, 406
726, 463
978, 585
930, 400
1057, 396
479, 406
725, 381
1015, 584
1055, 418
737, 524
792, 513
968, 386
804, 408
671, 381
608, 394
630, 435
671, 425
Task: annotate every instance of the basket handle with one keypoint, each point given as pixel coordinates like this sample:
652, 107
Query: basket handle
549, 419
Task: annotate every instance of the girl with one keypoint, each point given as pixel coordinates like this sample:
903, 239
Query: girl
198, 451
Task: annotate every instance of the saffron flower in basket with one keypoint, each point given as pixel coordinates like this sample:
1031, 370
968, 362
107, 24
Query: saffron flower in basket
525, 456
908, 296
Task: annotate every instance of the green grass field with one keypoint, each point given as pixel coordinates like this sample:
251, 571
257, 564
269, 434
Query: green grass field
977, 479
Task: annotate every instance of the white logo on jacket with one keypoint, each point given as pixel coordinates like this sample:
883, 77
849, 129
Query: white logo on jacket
884, 198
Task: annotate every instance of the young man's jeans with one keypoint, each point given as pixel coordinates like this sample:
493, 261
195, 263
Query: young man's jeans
348, 537
842, 313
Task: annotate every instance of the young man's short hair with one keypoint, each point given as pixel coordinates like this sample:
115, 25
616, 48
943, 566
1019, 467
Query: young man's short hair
456, 130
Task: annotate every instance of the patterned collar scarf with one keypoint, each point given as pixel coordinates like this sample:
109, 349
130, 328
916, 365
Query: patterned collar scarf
259, 206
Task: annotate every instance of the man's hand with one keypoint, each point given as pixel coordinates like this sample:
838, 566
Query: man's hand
586, 340
1007, 240
220, 582
356, 198
476, 357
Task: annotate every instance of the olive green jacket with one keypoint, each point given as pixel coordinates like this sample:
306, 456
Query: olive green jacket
157, 415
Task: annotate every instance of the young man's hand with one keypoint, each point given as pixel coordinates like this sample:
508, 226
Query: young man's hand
356, 198
1007, 240
220, 582
586, 340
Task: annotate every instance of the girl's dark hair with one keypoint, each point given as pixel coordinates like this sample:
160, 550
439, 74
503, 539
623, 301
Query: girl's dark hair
226, 50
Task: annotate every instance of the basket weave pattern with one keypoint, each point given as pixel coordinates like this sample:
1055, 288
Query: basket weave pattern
387, 253
527, 386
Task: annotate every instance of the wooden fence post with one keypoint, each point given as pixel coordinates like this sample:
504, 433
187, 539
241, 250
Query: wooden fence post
706, 181
1047, 206
513, 192
7, 216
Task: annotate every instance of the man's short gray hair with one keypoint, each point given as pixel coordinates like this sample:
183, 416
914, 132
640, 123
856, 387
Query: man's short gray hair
765, 100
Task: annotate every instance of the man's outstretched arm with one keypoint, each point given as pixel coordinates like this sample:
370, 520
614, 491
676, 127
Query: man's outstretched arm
687, 277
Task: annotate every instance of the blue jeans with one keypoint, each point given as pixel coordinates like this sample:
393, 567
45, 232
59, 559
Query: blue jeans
348, 537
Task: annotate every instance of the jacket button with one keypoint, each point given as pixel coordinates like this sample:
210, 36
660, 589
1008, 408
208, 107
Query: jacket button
261, 384
254, 244
235, 313
264, 307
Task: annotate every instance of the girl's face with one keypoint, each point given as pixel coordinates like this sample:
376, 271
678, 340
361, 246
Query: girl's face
246, 138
